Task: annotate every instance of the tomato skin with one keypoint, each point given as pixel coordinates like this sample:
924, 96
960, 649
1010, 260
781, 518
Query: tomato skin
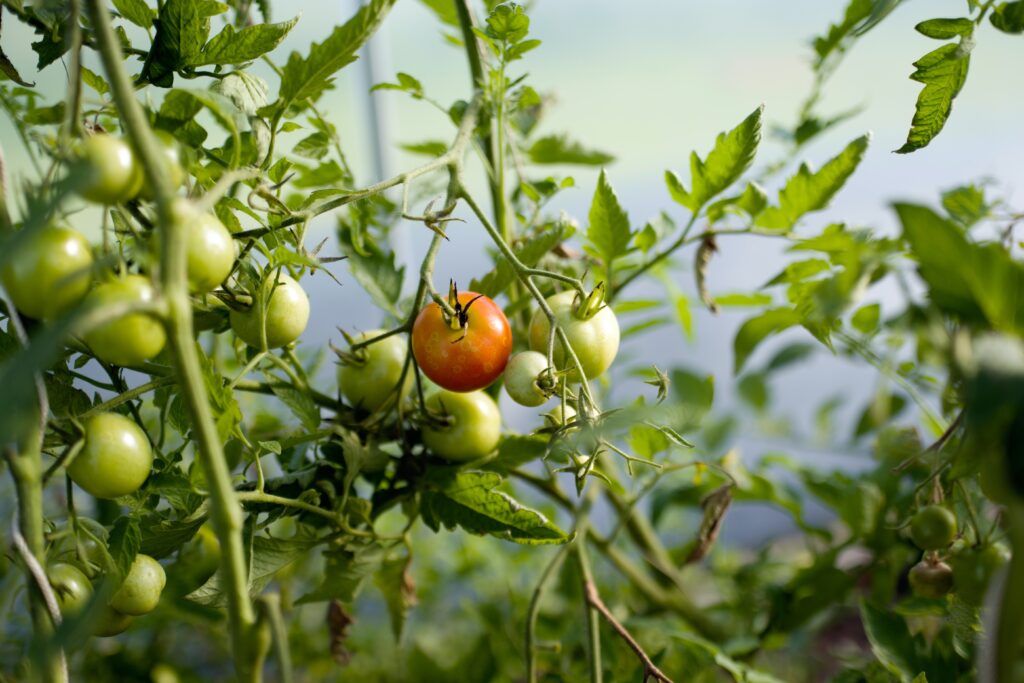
70, 586
521, 376
595, 340
111, 623
209, 247
368, 382
933, 528
116, 458
475, 429
171, 154
472, 362
973, 570
140, 592
931, 579
50, 272
131, 339
286, 317
111, 173
560, 415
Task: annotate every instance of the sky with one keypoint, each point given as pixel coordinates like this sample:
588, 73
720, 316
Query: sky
648, 81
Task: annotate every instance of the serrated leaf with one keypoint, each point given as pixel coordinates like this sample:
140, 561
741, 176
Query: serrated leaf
346, 571
374, 270
559, 149
890, 640
95, 81
123, 543
469, 499
608, 232
300, 403
394, 579
182, 28
160, 537
757, 329
731, 156
136, 11
966, 204
268, 556
307, 77
808, 191
231, 47
181, 106
943, 73
246, 91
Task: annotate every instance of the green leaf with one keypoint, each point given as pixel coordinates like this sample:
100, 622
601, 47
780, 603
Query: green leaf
514, 451
160, 537
95, 81
810, 191
608, 232
558, 149
182, 28
181, 106
123, 543
268, 556
1008, 17
469, 499
307, 77
10, 71
346, 571
732, 155
508, 22
838, 35
529, 251
247, 92
865, 319
944, 29
966, 204
890, 640
943, 73
252, 42
375, 270
395, 584
136, 11
757, 329
300, 403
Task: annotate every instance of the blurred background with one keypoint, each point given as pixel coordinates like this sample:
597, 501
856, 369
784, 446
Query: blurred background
648, 81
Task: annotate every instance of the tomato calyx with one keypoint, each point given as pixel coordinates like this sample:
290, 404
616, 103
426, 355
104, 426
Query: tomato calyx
357, 356
459, 318
586, 306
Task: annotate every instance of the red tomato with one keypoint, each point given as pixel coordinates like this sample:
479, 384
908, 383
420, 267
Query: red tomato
470, 356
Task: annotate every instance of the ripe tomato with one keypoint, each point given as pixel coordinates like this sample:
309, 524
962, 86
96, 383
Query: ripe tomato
130, 339
209, 247
474, 427
140, 591
287, 312
369, 377
973, 570
933, 528
109, 171
70, 586
49, 273
116, 457
171, 153
472, 355
931, 579
111, 622
594, 337
521, 378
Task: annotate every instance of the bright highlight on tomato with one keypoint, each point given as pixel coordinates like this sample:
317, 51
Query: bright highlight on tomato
467, 353
49, 272
109, 171
116, 457
473, 429
133, 338
593, 334
369, 377
287, 313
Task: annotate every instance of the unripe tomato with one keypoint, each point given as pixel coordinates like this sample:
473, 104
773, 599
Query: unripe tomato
933, 528
116, 458
171, 155
110, 172
594, 338
368, 377
130, 339
521, 378
973, 570
209, 247
472, 355
140, 592
560, 415
287, 312
111, 623
474, 428
49, 273
71, 588
931, 579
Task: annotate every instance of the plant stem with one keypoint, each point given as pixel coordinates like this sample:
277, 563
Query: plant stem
591, 612
658, 258
550, 571
226, 512
1009, 630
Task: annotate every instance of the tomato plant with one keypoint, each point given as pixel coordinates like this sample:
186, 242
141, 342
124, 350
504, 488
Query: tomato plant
763, 419
467, 349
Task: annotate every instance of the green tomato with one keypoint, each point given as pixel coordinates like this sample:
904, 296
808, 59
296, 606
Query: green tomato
116, 458
595, 339
560, 415
933, 528
931, 579
171, 153
49, 273
209, 247
521, 378
71, 588
109, 170
111, 623
369, 378
140, 592
474, 427
130, 339
973, 570
287, 313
